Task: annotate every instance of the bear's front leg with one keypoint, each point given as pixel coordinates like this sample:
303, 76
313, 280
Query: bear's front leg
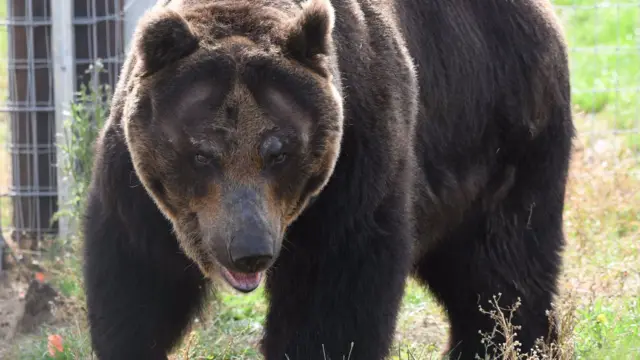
142, 292
336, 288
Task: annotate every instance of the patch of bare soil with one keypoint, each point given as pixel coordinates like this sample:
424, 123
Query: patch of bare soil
11, 308
24, 306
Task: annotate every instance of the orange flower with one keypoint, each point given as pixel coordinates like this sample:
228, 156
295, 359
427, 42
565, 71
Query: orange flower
40, 277
55, 344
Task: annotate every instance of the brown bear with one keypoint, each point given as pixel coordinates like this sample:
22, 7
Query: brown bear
333, 149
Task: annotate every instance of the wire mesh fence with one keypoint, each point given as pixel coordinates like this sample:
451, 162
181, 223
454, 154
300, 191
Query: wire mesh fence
27, 121
32, 103
604, 40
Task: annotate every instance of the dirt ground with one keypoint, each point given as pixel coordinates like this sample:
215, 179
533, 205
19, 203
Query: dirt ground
24, 306
12, 301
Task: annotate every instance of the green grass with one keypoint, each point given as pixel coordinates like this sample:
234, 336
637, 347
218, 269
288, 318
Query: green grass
605, 61
609, 329
599, 302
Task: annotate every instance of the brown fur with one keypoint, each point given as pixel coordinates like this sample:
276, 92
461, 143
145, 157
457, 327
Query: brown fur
362, 141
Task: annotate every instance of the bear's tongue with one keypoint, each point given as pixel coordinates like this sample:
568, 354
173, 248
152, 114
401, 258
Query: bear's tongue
245, 282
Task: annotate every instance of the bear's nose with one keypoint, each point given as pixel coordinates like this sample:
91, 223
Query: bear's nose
252, 264
251, 253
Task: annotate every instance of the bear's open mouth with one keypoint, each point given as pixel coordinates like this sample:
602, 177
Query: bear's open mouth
244, 282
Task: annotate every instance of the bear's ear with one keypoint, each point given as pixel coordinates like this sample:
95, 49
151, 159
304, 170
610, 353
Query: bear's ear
310, 33
163, 37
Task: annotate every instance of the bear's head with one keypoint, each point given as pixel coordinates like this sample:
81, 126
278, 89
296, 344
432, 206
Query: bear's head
233, 120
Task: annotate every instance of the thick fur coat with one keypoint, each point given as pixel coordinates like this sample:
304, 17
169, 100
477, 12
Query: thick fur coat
369, 140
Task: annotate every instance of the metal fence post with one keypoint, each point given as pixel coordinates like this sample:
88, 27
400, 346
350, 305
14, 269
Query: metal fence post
64, 88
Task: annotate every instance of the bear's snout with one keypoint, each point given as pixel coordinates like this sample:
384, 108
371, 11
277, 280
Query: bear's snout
242, 237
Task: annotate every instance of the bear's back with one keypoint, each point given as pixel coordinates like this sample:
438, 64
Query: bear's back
494, 102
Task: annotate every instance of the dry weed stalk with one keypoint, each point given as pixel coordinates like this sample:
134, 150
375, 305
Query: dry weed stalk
502, 343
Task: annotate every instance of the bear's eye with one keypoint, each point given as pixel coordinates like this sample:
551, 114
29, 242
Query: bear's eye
202, 160
273, 151
278, 158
